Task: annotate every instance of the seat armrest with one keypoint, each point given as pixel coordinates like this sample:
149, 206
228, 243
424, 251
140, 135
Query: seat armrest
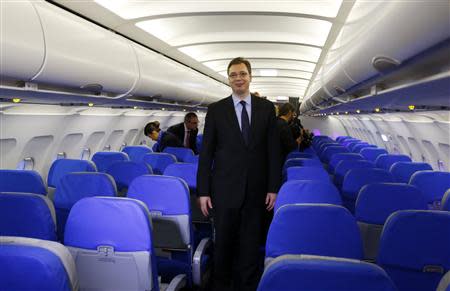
201, 250
177, 283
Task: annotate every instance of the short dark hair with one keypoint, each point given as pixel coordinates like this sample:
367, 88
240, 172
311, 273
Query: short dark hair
285, 109
237, 61
151, 127
189, 116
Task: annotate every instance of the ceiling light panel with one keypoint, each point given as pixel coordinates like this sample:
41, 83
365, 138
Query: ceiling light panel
182, 31
136, 9
221, 65
209, 52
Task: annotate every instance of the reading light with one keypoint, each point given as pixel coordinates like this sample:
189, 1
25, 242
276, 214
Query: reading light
163, 108
377, 109
346, 112
90, 104
16, 100
337, 113
135, 107
358, 111
411, 107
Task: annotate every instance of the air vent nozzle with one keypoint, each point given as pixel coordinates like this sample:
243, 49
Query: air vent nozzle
384, 64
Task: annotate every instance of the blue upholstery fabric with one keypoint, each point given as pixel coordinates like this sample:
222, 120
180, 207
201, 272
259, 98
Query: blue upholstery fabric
308, 173
334, 161
21, 181
300, 162
377, 201
386, 161
355, 179
371, 154
62, 167
341, 138
309, 150
359, 147
168, 195
433, 184
181, 154
414, 248
185, 171
328, 152
445, 204
403, 171
103, 160
119, 222
326, 145
76, 186
349, 141
293, 192
291, 273
350, 144
125, 172
192, 159
25, 267
300, 155
27, 215
346, 165
353, 145
315, 229
136, 153
159, 161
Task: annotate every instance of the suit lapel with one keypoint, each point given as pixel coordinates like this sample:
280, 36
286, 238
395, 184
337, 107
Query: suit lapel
232, 118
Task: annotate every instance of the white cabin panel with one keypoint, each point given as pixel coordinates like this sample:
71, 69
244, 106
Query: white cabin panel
79, 53
22, 40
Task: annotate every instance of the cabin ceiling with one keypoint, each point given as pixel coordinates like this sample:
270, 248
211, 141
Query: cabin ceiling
284, 40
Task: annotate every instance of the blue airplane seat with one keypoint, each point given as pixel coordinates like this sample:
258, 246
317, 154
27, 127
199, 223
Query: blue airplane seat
344, 166
168, 201
353, 145
387, 160
445, 204
28, 215
22, 181
433, 185
103, 160
341, 138
414, 248
355, 179
347, 141
307, 173
185, 171
371, 154
182, 154
306, 272
111, 241
125, 172
137, 153
76, 186
34, 264
309, 150
314, 229
336, 158
63, 167
359, 147
159, 161
300, 155
330, 151
324, 146
192, 159
374, 205
403, 171
304, 191
301, 162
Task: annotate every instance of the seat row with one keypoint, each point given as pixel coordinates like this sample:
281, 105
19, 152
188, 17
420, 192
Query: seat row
413, 249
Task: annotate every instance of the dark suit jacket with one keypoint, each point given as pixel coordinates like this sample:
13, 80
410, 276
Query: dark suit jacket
178, 131
288, 143
168, 140
240, 173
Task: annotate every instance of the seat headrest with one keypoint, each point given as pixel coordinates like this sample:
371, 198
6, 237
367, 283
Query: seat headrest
136, 153
22, 181
62, 167
105, 159
186, 171
403, 171
355, 179
433, 184
122, 223
386, 161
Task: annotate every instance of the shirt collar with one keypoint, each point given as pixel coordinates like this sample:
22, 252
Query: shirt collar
236, 99
185, 127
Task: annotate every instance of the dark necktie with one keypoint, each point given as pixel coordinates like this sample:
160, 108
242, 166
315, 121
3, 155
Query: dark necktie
245, 123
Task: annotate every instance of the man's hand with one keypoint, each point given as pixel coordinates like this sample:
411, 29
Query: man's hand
205, 203
270, 200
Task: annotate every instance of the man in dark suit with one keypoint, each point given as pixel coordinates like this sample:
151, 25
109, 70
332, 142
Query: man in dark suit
238, 176
288, 143
163, 138
187, 131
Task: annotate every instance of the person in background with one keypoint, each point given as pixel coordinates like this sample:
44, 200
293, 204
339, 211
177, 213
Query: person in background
239, 174
163, 138
187, 131
288, 142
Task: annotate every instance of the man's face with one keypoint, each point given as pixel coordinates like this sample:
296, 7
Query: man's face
154, 135
239, 79
192, 123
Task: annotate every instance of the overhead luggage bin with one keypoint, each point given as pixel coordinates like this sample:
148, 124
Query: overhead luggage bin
79, 54
22, 42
